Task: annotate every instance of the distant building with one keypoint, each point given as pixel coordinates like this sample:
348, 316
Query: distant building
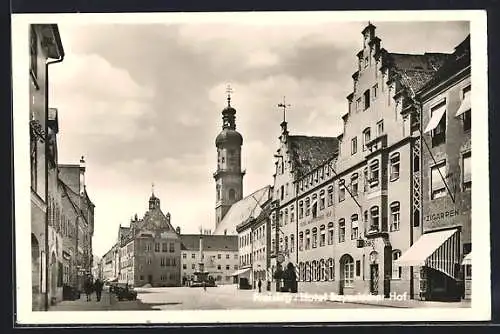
217, 253
97, 268
78, 225
45, 44
149, 250
445, 111
254, 249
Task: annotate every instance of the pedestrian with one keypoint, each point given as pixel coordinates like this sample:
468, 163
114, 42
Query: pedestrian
98, 289
88, 288
204, 285
260, 285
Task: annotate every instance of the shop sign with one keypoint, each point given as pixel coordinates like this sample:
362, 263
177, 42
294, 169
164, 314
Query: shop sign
441, 215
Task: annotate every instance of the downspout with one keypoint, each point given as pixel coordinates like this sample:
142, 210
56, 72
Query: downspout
46, 149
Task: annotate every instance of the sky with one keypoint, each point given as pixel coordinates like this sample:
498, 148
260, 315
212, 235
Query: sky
143, 102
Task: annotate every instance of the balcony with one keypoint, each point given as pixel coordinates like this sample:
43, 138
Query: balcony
376, 144
375, 231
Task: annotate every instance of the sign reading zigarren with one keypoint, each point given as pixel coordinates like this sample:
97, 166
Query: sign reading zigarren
442, 215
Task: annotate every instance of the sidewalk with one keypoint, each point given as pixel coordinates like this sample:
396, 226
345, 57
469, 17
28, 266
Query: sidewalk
108, 303
412, 303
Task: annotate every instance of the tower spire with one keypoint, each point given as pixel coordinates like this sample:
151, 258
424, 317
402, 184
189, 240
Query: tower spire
229, 90
284, 106
153, 188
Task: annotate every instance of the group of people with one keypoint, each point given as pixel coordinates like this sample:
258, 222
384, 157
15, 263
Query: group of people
90, 286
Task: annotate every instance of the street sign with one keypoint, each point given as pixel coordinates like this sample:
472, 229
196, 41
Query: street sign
280, 258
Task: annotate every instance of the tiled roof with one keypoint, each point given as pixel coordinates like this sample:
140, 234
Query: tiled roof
458, 60
308, 153
210, 242
242, 210
415, 70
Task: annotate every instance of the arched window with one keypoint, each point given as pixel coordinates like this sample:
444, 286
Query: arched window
395, 216
366, 137
314, 271
354, 184
308, 271
347, 264
301, 241
341, 190
394, 171
314, 205
301, 209
374, 219
331, 269
232, 194
330, 196
314, 237
396, 270
292, 243
308, 206
374, 173
354, 227
301, 271
322, 238
330, 233
322, 266
308, 239
292, 214
322, 199
286, 217
342, 230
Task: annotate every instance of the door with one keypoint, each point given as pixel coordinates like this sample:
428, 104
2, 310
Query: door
374, 275
150, 279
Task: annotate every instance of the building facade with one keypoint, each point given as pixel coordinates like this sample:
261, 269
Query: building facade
78, 227
352, 204
149, 250
45, 48
254, 249
217, 253
445, 111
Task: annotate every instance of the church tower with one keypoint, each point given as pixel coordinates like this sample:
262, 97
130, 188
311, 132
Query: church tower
229, 176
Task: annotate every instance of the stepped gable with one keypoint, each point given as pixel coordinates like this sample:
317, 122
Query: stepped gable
308, 152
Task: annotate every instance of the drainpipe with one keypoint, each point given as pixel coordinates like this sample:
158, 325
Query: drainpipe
46, 149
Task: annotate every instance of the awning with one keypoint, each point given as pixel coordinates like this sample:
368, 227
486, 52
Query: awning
467, 259
241, 271
436, 117
464, 106
438, 250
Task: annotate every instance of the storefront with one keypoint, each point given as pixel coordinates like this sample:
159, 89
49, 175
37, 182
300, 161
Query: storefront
467, 263
437, 256
242, 278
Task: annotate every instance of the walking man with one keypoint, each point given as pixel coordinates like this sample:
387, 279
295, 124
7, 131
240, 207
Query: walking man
260, 285
88, 288
98, 289
204, 285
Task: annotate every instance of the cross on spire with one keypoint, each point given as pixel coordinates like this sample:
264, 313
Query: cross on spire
229, 90
284, 106
153, 188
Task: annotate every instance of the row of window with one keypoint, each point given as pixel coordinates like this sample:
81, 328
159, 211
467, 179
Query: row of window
165, 247
438, 133
256, 235
366, 137
219, 256
439, 174
324, 269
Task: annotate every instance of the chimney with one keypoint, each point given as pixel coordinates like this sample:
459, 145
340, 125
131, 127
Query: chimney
178, 230
82, 174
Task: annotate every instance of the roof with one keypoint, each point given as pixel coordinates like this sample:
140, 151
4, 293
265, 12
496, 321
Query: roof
458, 60
264, 213
240, 211
210, 242
415, 70
308, 153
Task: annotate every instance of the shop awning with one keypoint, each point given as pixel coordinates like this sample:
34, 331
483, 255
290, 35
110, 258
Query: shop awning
241, 271
464, 106
438, 250
467, 259
435, 119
